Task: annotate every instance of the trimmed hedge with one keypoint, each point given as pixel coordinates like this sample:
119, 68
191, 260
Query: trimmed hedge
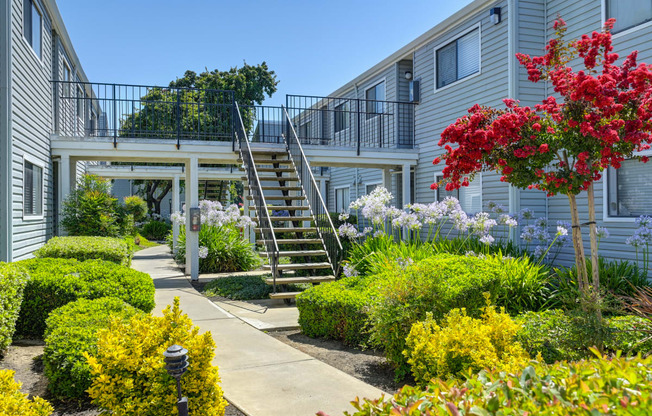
12, 284
116, 250
337, 310
601, 386
71, 331
559, 335
56, 282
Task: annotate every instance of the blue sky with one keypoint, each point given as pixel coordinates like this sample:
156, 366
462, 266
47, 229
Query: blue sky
313, 46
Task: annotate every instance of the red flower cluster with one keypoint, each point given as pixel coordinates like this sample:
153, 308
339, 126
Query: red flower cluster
605, 116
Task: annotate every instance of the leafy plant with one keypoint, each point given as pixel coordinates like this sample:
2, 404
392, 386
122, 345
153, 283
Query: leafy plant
111, 249
629, 334
13, 402
12, 284
129, 376
611, 386
155, 230
90, 209
56, 282
136, 207
71, 331
462, 344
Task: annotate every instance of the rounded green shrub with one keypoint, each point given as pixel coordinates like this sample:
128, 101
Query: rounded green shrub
630, 334
112, 249
56, 282
337, 310
71, 331
136, 207
13, 279
90, 209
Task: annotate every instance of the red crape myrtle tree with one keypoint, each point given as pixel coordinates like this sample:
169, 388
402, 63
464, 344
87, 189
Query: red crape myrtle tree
601, 117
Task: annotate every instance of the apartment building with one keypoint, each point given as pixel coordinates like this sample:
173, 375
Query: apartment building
469, 58
35, 52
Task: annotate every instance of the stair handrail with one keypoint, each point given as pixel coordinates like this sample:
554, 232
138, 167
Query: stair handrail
318, 208
264, 220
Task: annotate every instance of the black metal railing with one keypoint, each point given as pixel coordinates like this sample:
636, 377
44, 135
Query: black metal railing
256, 191
352, 122
267, 124
318, 207
84, 109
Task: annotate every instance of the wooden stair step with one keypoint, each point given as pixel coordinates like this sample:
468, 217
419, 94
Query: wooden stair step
273, 178
282, 208
299, 266
283, 295
274, 169
291, 229
267, 160
280, 241
280, 198
303, 279
300, 253
281, 188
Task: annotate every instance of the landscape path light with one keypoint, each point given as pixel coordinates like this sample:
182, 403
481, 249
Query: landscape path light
176, 364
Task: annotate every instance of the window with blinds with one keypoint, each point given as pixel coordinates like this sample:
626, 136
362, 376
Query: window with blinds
32, 190
628, 189
375, 97
470, 197
32, 26
341, 117
458, 59
342, 200
628, 13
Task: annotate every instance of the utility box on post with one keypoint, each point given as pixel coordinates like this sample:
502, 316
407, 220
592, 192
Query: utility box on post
195, 219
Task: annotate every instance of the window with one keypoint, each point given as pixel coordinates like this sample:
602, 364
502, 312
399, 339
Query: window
628, 189
458, 59
341, 117
304, 129
66, 79
32, 190
342, 200
370, 187
80, 103
628, 13
32, 26
375, 97
470, 197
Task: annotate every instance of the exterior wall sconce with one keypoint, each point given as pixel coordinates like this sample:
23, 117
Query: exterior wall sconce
408, 75
494, 15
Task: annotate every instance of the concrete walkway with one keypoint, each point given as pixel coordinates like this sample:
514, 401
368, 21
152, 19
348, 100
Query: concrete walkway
260, 375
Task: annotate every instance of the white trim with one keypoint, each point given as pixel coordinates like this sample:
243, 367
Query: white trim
34, 161
450, 40
605, 195
633, 29
30, 47
346, 208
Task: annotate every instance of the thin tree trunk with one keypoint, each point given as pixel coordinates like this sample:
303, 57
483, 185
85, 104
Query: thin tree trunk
595, 266
578, 245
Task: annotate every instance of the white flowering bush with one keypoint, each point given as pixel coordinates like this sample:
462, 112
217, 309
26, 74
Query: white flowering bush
222, 245
641, 240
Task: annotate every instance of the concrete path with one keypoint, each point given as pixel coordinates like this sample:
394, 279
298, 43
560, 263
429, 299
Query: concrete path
260, 375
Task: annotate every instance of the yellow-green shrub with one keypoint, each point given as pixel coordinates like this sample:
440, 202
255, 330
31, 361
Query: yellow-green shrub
463, 344
13, 402
129, 376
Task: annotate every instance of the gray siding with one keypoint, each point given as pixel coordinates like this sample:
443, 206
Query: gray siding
32, 119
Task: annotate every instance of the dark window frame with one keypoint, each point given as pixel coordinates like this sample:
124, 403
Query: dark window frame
374, 107
30, 9
341, 119
438, 82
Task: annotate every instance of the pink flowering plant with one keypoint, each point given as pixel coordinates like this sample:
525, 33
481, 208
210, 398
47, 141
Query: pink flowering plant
560, 146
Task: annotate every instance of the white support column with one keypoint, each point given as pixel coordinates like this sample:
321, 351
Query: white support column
175, 208
192, 201
407, 197
246, 203
387, 179
322, 190
64, 184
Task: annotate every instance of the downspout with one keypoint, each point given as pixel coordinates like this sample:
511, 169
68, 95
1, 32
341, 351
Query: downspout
6, 148
512, 92
357, 189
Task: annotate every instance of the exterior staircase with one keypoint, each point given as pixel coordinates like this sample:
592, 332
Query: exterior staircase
213, 190
298, 239
295, 230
